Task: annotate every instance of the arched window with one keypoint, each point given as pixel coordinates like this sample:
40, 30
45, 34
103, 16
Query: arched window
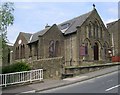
18, 53
23, 51
89, 31
57, 48
86, 48
96, 31
51, 49
100, 32
30, 50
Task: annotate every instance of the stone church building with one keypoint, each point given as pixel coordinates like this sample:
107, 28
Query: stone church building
113, 28
83, 38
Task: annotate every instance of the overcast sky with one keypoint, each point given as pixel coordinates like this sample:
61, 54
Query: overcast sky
32, 17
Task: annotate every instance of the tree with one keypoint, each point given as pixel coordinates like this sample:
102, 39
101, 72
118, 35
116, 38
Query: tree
6, 19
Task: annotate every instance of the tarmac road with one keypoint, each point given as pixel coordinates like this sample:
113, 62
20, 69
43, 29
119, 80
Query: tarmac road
104, 84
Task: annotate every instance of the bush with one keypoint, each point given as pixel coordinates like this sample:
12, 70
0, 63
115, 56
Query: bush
16, 67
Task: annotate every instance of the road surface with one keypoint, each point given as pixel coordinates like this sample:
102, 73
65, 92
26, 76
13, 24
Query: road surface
104, 84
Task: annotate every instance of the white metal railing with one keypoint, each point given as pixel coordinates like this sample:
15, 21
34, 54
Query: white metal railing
21, 77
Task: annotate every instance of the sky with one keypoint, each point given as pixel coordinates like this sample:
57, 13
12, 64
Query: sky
31, 17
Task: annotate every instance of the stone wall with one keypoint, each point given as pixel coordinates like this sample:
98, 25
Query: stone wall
53, 67
86, 69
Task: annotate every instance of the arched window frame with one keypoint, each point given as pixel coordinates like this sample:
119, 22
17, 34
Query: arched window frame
89, 30
56, 48
86, 48
94, 30
101, 32
23, 51
51, 48
18, 53
97, 32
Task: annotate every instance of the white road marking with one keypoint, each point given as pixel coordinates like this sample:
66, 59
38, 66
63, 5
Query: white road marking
112, 87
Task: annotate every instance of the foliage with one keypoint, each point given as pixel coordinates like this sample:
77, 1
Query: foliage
6, 19
16, 67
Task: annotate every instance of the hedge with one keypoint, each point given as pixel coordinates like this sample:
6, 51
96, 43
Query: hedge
16, 67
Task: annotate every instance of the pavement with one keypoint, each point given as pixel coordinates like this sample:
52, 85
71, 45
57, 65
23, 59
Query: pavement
48, 84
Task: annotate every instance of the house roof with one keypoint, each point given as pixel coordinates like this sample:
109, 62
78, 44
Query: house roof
66, 27
70, 25
27, 36
34, 37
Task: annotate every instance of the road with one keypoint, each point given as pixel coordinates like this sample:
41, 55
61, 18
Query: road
104, 84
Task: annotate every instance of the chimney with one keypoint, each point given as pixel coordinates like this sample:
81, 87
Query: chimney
47, 26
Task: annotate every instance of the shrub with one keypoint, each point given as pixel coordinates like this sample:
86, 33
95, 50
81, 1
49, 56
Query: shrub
16, 67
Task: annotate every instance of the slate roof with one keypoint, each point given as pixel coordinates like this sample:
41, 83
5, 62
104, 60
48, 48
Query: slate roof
73, 23
66, 27
27, 36
34, 37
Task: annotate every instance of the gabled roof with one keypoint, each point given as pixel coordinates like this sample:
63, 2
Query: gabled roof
27, 36
70, 25
34, 37
66, 27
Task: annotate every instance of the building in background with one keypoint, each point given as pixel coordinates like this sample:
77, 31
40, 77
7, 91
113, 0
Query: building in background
113, 28
7, 54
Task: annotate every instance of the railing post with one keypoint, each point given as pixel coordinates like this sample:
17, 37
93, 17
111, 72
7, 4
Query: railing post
30, 76
42, 73
5, 80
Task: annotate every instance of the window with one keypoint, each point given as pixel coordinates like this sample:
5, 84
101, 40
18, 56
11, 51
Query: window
36, 49
23, 51
100, 32
30, 55
18, 53
64, 26
89, 30
57, 48
16, 50
51, 49
86, 49
96, 31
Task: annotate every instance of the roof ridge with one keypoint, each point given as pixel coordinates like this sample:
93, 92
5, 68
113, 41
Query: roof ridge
76, 17
26, 33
